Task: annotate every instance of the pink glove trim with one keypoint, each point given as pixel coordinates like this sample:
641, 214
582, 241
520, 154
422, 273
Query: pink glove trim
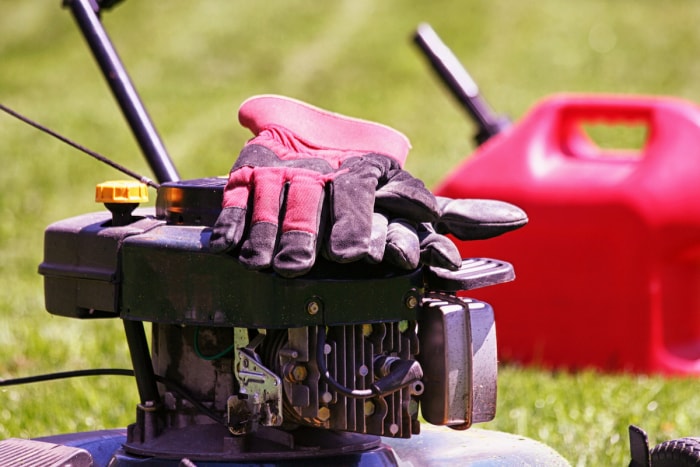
322, 129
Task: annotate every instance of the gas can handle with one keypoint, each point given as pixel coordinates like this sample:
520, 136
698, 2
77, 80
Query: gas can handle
573, 113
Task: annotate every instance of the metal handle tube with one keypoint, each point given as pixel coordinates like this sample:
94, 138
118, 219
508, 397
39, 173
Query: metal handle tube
128, 99
141, 361
459, 82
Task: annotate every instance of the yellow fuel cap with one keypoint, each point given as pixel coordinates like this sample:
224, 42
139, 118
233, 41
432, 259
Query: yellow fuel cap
121, 192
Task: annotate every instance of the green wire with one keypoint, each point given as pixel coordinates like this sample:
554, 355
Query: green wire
209, 357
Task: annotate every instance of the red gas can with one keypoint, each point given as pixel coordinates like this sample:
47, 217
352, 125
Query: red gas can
608, 268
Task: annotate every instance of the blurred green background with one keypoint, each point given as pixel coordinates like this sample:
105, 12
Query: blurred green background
195, 62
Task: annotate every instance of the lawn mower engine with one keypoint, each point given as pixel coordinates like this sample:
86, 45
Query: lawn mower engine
248, 365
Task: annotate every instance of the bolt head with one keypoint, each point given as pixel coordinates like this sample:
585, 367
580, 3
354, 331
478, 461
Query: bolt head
299, 373
324, 413
369, 408
313, 307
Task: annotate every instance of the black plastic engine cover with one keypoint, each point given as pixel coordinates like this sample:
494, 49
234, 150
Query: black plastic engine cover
152, 271
168, 275
81, 264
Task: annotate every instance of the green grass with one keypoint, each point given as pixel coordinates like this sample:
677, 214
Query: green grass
194, 62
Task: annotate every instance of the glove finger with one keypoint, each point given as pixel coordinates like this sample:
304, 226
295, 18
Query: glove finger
478, 219
296, 252
437, 250
228, 230
402, 244
258, 249
352, 209
407, 197
229, 227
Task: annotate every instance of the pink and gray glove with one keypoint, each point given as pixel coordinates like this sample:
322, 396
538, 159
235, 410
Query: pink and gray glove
312, 178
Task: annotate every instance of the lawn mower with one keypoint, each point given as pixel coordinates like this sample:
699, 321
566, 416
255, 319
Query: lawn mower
347, 365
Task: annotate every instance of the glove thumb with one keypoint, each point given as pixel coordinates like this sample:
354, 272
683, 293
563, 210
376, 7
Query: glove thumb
408, 245
478, 219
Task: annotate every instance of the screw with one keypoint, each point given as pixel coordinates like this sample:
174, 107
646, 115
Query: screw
411, 302
298, 373
313, 307
324, 414
363, 370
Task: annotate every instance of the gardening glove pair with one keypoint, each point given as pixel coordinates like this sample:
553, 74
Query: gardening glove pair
309, 179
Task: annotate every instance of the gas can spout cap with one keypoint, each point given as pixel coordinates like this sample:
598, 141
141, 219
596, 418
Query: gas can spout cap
121, 197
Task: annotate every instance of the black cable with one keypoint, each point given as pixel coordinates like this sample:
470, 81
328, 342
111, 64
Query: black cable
171, 385
326, 376
79, 147
180, 391
401, 374
67, 374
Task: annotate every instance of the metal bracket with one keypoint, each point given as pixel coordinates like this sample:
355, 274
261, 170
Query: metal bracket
259, 398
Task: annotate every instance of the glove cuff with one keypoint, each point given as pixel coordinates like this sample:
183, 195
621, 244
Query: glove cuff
323, 129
